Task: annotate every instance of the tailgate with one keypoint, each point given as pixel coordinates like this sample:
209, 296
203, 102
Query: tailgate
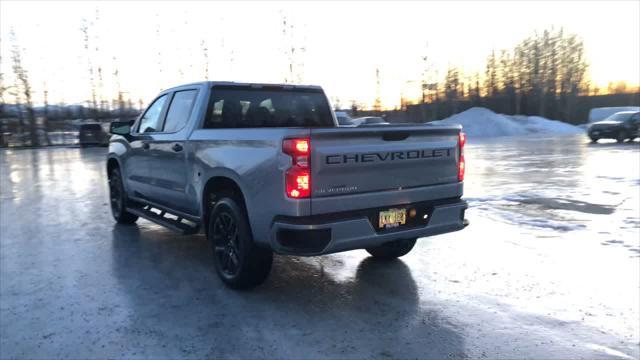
370, 159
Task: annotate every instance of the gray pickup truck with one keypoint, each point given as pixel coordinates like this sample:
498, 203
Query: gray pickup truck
266, 168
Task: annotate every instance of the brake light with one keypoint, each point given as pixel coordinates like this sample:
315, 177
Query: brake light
296, 146
462, 139
298, 177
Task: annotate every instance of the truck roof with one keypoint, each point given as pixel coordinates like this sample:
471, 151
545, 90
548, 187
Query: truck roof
240, 84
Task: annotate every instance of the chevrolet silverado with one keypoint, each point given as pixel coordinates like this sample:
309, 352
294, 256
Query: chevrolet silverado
266, 169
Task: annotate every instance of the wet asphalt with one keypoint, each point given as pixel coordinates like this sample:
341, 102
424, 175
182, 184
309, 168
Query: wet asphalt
548, 269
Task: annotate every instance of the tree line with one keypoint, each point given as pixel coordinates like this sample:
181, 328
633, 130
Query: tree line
542, 75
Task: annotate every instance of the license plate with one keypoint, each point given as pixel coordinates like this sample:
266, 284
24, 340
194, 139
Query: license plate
392, 218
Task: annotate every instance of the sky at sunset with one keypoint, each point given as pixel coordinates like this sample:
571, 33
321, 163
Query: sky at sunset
155, 45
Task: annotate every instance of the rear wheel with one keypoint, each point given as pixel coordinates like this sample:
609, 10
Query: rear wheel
118, 199
594, 139
393, 249
239, 262
621, 137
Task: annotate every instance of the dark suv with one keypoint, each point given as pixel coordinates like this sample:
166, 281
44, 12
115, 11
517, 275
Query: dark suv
92, 134
620, 126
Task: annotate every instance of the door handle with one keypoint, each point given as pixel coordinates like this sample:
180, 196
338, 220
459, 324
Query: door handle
145, 145
176, 147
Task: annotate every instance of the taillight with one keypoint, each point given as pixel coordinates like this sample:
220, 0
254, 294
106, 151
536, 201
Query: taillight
298, 177
462, 139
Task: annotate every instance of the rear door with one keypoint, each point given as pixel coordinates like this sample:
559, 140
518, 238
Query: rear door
168, 156
379, 158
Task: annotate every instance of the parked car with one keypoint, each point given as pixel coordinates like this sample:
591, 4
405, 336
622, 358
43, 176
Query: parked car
620, 126
92, 134
265, 168
369, 120
343, 118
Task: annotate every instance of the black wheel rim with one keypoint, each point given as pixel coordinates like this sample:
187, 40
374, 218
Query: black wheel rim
115, 191
226, 243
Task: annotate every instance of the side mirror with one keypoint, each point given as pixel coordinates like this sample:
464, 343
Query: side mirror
121, 127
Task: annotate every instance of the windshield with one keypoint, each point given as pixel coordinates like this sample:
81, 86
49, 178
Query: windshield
619, 117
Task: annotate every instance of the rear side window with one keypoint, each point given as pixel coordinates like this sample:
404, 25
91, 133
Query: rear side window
151, 121
246, 107
179, 110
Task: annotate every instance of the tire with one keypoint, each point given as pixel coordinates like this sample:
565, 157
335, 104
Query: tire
621, 137
239, 262
118, 199
594, 140
393, 249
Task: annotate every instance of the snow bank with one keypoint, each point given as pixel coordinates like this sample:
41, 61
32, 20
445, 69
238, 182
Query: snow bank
482, 122
538, 124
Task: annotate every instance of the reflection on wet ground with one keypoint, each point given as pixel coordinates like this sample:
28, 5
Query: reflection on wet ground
547, 269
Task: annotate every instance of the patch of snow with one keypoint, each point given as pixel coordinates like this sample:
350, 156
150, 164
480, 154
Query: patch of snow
482, 122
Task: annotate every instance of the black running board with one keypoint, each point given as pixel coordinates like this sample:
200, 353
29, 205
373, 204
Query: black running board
160, 219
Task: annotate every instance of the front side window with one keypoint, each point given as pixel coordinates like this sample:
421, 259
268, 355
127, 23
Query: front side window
242, 107
179, 110
151, 121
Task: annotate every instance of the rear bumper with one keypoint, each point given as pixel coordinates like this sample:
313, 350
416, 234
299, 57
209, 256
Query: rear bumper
354, 230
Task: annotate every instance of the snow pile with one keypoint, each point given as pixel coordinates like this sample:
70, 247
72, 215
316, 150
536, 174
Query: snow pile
538, 124
482, 122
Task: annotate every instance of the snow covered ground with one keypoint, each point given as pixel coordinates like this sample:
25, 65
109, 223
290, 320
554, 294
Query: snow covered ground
481, 122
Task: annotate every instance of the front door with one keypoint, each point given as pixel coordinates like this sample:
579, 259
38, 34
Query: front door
137, 167
168, 154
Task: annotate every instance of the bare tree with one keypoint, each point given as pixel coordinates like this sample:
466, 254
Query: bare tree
45, 115
205, 54
336, 103
119, 103
452, 88
159, 45
294, 51
23, 86
354, 107
377, 104
93, 103
3, 89
491, 75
